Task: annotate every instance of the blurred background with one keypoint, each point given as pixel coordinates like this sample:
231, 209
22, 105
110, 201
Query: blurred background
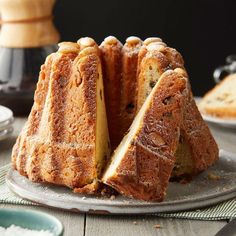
203, 31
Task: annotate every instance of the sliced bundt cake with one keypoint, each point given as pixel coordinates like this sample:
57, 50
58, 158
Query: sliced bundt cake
142, 164
65, 140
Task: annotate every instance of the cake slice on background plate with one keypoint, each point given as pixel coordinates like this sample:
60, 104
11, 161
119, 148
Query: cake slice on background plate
221, 100
65, 140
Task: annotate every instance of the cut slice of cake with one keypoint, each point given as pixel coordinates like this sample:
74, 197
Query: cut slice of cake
129, 82
111, 56
197, 148
65, 140
142, 164
221, 100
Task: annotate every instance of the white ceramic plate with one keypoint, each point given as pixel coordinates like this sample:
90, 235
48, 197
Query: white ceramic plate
5, 114
230, 123
6, 125
201, 192
6, 133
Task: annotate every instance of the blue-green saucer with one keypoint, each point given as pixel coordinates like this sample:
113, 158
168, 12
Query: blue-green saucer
34, 220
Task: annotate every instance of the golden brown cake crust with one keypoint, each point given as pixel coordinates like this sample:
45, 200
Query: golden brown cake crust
111, 56
57, 144
197, 135
35, 116
146, 166
140, 180
203, 146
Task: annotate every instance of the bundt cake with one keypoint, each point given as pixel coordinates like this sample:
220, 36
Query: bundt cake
65, 140
142, 164
221, 100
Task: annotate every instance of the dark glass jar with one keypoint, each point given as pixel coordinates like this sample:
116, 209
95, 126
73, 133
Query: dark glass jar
19, 71
27, 37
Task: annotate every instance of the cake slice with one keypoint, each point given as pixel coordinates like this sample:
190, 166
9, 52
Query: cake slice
111, 56
154, 59
65, 140
221, 100
197, 148
142, 164
129, 82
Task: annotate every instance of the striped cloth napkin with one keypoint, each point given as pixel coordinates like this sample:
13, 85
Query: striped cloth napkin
222, 211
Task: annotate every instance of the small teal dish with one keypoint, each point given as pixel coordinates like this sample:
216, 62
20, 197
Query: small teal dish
34, 220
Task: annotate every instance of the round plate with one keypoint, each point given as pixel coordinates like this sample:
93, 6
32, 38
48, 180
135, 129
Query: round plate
229, 123
6, 125
201, 192
5, 133
5, 114
29, 219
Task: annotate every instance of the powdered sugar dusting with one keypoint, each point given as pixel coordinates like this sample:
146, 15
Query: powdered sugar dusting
14, 230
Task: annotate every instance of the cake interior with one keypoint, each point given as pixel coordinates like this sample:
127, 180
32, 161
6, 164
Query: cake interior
153, 75
119, 153
150, 76
102, 137
183, 164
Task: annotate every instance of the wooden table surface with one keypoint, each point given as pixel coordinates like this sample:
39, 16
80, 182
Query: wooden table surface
84, 224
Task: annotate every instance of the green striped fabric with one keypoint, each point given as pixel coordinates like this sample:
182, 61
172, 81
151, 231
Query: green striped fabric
6, 196
222, 211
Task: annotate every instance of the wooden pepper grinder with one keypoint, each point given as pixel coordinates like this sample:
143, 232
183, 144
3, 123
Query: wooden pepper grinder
27, 36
